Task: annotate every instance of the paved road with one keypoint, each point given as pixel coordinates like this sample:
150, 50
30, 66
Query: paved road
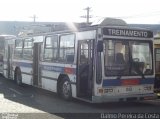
18, 102
41, 103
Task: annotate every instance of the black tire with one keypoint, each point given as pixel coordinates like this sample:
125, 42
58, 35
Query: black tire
18, 77
65, 89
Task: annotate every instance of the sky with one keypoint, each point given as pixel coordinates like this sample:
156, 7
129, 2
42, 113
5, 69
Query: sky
132, 11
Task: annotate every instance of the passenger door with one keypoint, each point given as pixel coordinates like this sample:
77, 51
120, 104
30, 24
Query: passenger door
85, 68
9, 62
36, 65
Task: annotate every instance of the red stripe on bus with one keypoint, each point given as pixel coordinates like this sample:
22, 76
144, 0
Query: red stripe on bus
68, 70
130, 82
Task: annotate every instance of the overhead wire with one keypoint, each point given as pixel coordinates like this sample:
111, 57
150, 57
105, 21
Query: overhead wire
156, 13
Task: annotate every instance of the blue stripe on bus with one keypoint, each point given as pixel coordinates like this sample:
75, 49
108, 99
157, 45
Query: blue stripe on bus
118, 82
67, 70
147, 81
52, 68
111, 82
46, 67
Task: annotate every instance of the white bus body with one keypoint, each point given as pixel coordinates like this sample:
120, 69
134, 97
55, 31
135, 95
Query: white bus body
101, 63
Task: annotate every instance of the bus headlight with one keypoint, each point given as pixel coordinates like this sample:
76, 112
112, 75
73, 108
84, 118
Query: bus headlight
100, 90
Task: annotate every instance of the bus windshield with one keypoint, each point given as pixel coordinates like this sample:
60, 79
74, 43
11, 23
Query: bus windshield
127, 58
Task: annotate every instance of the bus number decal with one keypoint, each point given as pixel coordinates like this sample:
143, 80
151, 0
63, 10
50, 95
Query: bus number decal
129, 89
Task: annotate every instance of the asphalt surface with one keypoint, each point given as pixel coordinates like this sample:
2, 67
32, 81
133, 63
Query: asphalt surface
30, 102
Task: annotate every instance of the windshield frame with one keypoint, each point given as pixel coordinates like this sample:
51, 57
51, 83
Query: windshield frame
128, 43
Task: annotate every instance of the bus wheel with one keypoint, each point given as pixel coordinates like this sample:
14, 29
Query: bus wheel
18, 77
66, 92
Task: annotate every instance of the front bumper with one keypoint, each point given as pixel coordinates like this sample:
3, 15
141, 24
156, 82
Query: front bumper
138, 97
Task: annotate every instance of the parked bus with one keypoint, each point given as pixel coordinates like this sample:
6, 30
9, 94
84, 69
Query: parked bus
107, 61
6, 54
157, 63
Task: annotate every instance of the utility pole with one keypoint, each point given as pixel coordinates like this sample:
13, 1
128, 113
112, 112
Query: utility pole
88, 10
34, 18
88, 14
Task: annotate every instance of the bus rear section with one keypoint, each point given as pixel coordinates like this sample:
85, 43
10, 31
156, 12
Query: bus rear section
124, 66
6, 54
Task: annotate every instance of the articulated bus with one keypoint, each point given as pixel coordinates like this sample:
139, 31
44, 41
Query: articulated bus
6, 54
107, 61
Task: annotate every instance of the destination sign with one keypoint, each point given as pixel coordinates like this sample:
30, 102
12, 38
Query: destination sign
127, 32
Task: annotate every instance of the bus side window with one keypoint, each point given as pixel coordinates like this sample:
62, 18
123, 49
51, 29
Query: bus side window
69, 58
18, 49
51, 48
28, 49
67, 48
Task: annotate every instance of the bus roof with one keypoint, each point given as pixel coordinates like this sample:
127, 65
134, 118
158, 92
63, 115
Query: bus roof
6, 37
104, 22
109, 22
